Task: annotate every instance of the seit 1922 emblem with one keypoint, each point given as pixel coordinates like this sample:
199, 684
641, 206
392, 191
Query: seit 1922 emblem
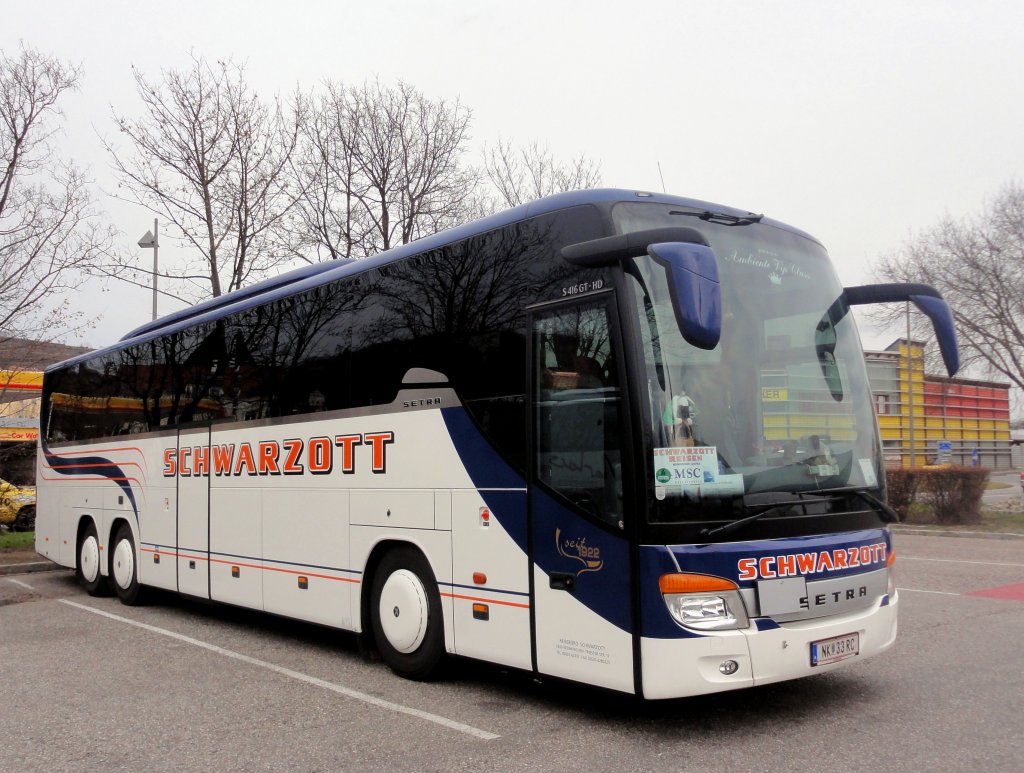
577, 549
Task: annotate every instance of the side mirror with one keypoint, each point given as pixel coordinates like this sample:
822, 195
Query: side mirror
695, 290
692, 273
927, 299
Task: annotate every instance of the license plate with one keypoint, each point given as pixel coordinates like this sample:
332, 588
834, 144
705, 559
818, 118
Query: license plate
835, 649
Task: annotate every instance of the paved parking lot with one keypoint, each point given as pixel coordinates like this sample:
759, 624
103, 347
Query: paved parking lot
88, 683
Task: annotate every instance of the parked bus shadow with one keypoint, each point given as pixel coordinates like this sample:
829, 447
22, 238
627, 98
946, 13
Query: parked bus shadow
736, 713
493, 688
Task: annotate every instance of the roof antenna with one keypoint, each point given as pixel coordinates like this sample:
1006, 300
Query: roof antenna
662, 178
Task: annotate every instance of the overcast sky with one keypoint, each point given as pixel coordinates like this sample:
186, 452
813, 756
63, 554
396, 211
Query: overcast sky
858, 122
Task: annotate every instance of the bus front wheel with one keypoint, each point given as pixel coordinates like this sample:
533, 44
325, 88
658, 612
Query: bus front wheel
123, 571
87, 568
405, 614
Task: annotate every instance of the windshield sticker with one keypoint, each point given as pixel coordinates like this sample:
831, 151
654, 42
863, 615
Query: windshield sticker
725, 486
867, 467
695, 470
685, 466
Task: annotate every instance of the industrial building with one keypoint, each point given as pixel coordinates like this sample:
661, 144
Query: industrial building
926, 419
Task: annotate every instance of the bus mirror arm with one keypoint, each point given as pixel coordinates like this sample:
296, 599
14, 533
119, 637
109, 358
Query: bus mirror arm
598, 253
691, 267
927, 299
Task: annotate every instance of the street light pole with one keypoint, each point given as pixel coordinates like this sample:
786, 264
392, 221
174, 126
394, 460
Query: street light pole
151, 240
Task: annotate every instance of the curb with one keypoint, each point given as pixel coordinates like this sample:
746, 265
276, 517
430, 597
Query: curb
953, 533
30, 568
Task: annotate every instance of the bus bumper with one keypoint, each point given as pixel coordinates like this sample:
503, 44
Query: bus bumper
676, 668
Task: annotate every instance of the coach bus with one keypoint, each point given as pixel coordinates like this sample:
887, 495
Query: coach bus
614, 437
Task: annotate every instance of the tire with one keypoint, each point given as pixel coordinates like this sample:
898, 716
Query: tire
405, 614
87, 562
124, 576
25, 520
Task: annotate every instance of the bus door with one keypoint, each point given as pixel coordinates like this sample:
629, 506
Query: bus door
194, 512
580, 557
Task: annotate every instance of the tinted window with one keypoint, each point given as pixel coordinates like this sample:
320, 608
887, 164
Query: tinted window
578, 403
456, 310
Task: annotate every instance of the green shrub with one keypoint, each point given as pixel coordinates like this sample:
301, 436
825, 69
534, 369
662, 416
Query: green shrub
952, 494
902, 484
955, 493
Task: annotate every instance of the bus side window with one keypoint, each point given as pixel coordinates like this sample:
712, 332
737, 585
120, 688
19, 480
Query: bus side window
577, 403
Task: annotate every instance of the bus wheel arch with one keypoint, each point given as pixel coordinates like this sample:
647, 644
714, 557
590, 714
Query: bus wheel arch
401, 609
87, 557
124, 563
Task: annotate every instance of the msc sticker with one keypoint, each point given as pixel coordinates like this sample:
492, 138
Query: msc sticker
686, 466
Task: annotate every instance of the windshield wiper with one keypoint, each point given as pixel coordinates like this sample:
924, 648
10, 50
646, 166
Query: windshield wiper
722, 218
888, 514
764, 510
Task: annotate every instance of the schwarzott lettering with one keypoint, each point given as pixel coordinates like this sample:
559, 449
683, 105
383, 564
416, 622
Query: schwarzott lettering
797, 564
296, 456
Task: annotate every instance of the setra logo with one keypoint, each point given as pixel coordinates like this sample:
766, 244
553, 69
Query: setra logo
578, 550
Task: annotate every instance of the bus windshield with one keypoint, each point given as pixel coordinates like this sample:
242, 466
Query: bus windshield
780, 404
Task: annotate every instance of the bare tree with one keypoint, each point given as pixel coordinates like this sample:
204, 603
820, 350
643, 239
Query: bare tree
329, 220
977, 263
209, 156
50, 230
379, 166
531, 172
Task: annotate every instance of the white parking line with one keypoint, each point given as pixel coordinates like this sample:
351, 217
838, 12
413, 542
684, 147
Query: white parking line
919, 590
901, 557
347, 692
19, 582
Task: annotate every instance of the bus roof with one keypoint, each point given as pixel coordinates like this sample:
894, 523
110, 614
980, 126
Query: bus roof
315, 275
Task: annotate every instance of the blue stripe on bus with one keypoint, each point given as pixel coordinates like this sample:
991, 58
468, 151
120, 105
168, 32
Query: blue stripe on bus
502, 488
86, 465
552, 521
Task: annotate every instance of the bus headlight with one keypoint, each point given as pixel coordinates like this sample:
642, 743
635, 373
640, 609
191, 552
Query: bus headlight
703, 602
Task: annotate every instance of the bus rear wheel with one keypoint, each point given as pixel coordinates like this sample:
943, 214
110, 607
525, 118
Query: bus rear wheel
405, 614
123, 572
87, 567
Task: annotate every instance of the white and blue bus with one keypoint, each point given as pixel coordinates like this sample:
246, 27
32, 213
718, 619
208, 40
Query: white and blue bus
613, 437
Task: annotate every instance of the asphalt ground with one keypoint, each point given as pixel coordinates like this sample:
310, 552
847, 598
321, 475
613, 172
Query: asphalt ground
86, 683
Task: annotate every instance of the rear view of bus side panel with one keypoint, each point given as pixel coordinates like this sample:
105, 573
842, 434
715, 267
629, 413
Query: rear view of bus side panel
307, 528
157, 502
47, 515
99, 485
490, 579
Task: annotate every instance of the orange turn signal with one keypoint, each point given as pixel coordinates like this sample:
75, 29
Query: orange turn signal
694, 583
891, 559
